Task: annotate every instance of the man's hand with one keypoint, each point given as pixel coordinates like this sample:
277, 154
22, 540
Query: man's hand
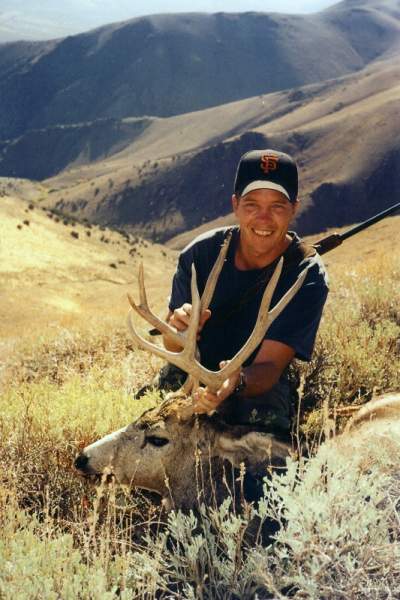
206, 401
180, 320
181, 316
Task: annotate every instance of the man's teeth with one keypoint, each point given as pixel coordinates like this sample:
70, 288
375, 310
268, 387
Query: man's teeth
262, 232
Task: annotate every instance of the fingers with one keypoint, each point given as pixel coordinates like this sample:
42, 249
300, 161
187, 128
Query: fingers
204, 401
180, 318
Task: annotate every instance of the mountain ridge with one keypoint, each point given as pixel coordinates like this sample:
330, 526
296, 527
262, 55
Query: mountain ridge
341, 160
165, 65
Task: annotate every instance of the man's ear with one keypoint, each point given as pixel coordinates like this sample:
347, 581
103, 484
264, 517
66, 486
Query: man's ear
296, 206
235, 203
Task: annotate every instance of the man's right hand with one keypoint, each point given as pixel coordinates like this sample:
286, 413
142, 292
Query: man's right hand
180, 318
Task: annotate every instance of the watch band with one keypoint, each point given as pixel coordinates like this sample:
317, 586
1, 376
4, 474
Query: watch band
241, 385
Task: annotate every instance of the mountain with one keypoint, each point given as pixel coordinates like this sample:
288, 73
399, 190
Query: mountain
165, 65
178, 174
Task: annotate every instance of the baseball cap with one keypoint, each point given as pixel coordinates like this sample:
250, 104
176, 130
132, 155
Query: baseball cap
267, 169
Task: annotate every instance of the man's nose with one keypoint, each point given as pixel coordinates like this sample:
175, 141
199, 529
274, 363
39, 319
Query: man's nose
264, 213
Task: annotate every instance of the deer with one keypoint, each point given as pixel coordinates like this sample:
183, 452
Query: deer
184, 457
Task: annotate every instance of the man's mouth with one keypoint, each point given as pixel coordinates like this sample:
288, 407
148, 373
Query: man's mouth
262, 232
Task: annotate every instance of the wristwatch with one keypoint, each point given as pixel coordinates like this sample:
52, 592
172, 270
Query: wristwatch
241, 385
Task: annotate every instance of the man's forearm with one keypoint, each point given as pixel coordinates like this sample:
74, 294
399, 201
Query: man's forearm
260, 378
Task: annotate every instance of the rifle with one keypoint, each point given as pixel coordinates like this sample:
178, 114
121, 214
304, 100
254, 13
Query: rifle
334, 240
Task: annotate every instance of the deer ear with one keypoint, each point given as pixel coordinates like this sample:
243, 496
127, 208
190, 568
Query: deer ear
257, 450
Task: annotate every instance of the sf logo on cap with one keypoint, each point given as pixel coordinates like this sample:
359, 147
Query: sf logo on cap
269, 163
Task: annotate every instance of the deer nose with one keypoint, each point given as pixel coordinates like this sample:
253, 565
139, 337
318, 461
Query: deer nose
81, 462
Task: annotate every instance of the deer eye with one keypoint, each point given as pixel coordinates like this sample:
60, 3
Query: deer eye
154, 440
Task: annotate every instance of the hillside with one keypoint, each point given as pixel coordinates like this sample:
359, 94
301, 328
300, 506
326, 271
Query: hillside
178, 174
40, 153
57, 272
166, 65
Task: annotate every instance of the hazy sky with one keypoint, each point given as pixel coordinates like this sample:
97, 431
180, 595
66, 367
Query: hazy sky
41, 19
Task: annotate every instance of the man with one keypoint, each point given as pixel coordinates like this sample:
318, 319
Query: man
264, 202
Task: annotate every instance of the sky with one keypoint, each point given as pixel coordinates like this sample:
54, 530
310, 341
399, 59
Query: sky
45, 19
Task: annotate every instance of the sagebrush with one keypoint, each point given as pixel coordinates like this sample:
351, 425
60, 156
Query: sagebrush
61, 538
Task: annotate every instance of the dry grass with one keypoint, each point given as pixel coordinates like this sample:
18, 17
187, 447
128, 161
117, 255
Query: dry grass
51, 279
62, 539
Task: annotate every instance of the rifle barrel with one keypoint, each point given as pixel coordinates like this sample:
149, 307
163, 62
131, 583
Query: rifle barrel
335, 239
370, 221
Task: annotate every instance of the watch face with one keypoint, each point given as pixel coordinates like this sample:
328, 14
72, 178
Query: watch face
241, 384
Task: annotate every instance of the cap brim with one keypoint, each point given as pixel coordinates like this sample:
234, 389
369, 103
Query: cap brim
265, 185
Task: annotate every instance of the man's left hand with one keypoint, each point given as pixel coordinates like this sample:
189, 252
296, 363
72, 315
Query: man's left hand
206, 401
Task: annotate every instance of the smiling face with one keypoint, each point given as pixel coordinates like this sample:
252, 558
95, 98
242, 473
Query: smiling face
264, 217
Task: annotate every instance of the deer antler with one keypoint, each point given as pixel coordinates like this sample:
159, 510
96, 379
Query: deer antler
187, 359
180, 337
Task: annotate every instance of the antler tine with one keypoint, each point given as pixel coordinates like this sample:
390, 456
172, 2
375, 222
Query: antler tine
286, 298
214, 274
189, 351
196, 370
142, 289
264, 319
145, 345
206, 298
144, 311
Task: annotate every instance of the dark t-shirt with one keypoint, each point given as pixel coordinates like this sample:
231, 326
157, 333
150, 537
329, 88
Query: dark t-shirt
235, 305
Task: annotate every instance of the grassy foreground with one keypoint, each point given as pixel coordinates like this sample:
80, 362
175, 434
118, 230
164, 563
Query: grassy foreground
60, 538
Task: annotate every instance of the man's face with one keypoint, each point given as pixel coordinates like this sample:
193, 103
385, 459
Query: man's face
264, 217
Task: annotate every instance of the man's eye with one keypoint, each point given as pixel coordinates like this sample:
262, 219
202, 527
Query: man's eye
154, 440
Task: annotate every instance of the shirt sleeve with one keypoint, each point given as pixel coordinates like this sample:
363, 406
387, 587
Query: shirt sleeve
298, 323
181, 291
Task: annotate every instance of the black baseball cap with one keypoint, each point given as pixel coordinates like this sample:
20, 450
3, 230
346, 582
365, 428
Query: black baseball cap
267, 169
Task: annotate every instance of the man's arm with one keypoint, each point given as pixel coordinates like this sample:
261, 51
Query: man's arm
267, 367
261, 376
